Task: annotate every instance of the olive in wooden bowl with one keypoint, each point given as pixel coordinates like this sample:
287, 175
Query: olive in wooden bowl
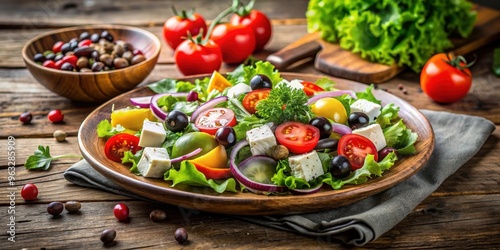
85, 83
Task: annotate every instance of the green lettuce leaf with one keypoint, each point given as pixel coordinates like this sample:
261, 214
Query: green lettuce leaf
405, 32
244, 73
129, 157
105, 129
189, 175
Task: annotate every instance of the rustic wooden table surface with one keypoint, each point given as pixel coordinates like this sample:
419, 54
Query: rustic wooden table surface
463, 212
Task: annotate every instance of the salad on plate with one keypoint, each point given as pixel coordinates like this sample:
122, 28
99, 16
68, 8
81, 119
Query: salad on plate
252, 130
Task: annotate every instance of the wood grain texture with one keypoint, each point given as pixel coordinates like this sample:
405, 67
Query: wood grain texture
331, 59
93, 86
33, 14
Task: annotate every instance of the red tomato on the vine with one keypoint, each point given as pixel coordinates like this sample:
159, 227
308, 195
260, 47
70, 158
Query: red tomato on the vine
236, 41
446, 78
175, 29
193, 58
259, 23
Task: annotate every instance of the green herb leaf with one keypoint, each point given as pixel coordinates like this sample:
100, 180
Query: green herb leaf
104, 129
42, 159
496, 62
285, 104
129, 157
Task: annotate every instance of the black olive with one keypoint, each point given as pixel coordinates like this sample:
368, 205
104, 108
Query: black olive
84, 35
324, 125
95, 38
39, 58
58, 57
73, 45
106, 35
67, 66
340, 167
83, 51
65, 48
260, 81
357, 120
50, 56
226, 136
327, 143
385, 151
176, 121
97, 66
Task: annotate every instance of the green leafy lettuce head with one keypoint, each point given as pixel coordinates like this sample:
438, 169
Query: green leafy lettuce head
406, 32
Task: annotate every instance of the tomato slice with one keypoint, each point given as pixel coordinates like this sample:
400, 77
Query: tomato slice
117, 144
299, 138
355, 148
213, 119
253, 97
310, 88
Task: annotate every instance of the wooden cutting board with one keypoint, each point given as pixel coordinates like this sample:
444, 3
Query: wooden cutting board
333, 60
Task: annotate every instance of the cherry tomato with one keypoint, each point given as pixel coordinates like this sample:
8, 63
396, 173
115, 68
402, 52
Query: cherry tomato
446, 79
259, 23
55, 116
29, 192
176, 28
121, 211
56, 48
211, 120
310, 88
49, 64
355, 148
299, 138
192, 58
116, 146
253, 97
330, 108
237, 42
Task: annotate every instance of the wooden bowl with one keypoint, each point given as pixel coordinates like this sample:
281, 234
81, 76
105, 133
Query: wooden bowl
93, 86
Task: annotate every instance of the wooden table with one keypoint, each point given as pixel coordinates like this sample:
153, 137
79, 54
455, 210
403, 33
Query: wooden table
463, 212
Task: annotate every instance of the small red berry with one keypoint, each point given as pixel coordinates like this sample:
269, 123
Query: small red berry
55, 116
29, 192
121, 211
26, 117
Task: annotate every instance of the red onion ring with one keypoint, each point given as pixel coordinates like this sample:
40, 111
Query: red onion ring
207, 105
186, 156
157, 111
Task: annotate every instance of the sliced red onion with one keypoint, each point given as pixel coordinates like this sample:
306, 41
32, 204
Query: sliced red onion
186, 156
341, 129
207, 105
157, 111
331, 94
243, 180
311, 190
142, 102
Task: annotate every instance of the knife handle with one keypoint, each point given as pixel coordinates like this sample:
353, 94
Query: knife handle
292, 54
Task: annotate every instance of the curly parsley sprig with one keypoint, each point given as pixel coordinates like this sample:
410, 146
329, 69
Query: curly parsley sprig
284, 104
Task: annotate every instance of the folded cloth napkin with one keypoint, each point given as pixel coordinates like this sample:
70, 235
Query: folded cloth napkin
366, 220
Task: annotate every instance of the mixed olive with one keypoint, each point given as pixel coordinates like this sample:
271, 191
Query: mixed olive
90, 53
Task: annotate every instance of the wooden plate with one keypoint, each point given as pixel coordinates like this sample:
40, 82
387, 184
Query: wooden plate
245, 203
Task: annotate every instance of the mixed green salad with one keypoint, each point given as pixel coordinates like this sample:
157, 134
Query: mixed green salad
254, 130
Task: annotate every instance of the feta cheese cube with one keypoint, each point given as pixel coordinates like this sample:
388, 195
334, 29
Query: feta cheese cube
306, 166
261, 140
371, 109
154, 162
374, 133
153, 134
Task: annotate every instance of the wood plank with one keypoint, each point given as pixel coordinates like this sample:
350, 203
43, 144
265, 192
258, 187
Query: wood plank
13, 40
33, 14
442, 221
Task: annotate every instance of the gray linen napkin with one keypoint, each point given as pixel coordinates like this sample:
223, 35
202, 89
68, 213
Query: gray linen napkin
366, 220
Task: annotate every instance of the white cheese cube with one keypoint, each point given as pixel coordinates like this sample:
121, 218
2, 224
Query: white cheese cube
374, 133
153, 134
261, 140
306, 166
154, 162
293, 84
238, 89
371, 109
